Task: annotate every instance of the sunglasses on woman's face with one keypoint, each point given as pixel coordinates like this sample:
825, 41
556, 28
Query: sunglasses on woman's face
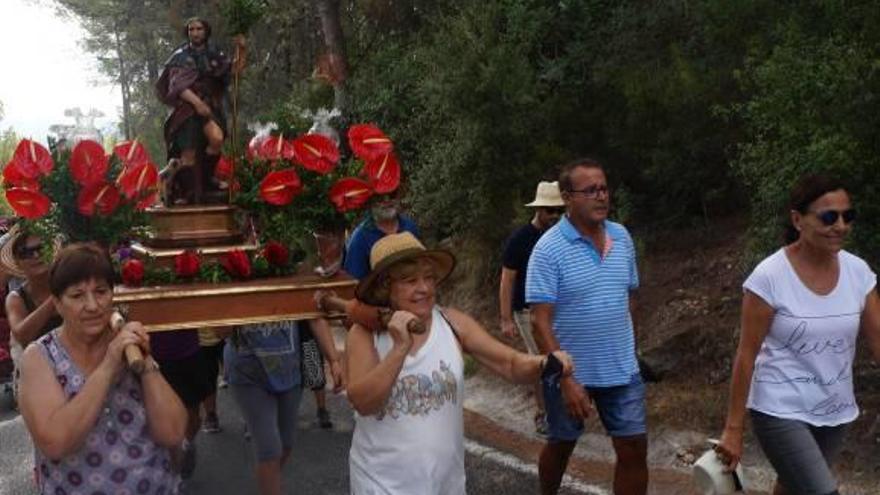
29, 252
829, 217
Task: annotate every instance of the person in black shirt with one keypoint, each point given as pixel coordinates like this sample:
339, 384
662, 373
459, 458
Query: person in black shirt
514, 311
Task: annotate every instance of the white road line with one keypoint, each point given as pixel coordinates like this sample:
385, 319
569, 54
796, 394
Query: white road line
513, 462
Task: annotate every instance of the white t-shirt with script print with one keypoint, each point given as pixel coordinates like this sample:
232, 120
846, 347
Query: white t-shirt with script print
804, 368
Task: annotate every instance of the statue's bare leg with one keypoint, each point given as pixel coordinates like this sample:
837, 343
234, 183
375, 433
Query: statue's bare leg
214, 134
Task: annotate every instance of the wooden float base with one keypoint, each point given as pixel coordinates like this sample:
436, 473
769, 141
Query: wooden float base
179, 307
193, 226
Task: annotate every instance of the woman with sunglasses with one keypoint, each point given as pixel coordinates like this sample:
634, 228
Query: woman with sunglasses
29, 308
802, 311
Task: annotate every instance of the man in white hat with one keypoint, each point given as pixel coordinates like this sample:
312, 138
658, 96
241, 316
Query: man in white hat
548, 206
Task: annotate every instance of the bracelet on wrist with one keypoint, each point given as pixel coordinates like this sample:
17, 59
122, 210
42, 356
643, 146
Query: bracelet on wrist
150, 366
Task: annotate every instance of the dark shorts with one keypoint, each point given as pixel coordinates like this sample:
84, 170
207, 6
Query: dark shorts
213, 356
621, 410
189, 377
801, 454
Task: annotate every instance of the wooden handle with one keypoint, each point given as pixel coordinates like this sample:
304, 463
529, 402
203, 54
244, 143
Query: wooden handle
415, 326
331, 302
382, 316
133, 355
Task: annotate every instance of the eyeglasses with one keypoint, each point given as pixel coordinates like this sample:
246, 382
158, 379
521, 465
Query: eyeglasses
591, 192
28, 252
554, 211
829, 217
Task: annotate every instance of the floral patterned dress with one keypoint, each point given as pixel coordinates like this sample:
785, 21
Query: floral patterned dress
118, 456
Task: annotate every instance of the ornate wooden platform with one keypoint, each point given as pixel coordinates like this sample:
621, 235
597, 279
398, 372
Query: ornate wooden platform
177, 307
164, 257
193, 226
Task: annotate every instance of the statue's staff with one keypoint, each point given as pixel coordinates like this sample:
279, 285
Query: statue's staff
239, 60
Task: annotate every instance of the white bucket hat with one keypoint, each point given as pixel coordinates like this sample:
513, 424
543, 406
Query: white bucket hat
547, 195
712, 479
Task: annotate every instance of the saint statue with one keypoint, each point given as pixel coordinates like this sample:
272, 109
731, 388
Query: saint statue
194, 84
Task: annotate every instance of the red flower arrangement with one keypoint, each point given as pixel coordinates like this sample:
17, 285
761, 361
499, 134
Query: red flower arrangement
317, 153
237, 264
97, 196
187, 264
132, 272
276, 254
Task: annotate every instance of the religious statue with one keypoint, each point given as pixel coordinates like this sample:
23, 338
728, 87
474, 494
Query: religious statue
194, 83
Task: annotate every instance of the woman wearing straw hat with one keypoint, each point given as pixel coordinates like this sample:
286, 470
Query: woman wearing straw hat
97, 426
29, 308
803, 309
407, 388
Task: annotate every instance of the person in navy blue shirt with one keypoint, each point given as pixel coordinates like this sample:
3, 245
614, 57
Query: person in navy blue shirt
514, 311
385, 218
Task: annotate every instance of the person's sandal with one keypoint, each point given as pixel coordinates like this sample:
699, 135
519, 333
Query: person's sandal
324, 419
211, 424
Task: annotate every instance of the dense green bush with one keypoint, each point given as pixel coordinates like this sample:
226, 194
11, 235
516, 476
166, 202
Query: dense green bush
812, 108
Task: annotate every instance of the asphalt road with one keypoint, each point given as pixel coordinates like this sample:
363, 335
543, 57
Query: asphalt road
319, 463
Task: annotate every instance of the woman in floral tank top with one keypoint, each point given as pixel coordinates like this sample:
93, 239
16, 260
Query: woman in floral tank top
97, 427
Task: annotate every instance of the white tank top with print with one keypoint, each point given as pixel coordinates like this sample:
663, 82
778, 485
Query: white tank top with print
415, 444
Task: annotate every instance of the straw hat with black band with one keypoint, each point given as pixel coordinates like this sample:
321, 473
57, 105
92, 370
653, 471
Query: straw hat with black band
8, 263
393, 249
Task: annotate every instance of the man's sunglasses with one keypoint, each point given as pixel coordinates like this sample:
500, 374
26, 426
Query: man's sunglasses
28, 252
829, 217
554, 211
591, 192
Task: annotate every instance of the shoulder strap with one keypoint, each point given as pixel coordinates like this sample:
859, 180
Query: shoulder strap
451, 327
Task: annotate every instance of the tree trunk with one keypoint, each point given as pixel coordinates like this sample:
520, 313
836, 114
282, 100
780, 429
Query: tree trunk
334, 42
125, 86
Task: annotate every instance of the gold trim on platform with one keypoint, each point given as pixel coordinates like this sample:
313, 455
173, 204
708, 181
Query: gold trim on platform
187, 210
165, 252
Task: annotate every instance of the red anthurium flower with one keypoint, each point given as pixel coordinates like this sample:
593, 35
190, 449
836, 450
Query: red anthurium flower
131, 153
254, 147
33, 159
138, 178
350, 194
236, 263
275, 148
132, 272
316, 152
368, 142
14, 174
28, 203
148, 199
280, 187
384, 173
276, 253
186, 264
88, 163
223, 170
100, 198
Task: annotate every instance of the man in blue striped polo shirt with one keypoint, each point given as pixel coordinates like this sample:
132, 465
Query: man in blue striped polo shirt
578, 285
